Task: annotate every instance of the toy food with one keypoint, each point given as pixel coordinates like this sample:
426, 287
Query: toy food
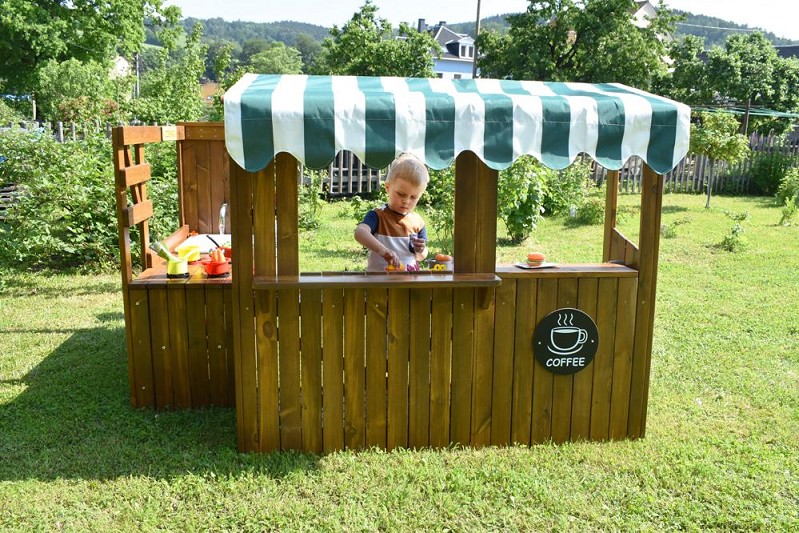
535, 259
189, 253
218, 265
443, 258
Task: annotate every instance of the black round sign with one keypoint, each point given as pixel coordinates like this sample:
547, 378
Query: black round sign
565, 341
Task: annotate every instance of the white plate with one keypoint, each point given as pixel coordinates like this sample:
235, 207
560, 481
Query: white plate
528, 267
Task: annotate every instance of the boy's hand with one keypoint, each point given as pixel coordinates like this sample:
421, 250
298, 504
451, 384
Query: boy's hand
391, 258
418, 244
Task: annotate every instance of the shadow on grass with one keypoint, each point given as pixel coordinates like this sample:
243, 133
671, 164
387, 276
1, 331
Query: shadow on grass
73, 420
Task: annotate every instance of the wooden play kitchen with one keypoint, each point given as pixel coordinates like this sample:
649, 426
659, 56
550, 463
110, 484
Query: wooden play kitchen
486, 354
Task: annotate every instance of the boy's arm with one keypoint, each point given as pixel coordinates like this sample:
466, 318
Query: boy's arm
363, 234
420, 245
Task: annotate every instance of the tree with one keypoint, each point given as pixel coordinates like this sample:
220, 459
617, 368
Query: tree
277, 59
578, 40
717, 137
688, 82
32, 33
366, 46
252, 47
309, 50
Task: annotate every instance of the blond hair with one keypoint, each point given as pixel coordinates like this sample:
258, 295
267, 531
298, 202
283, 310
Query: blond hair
409, 168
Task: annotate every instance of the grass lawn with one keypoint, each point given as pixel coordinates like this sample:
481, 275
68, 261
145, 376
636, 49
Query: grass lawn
721, 450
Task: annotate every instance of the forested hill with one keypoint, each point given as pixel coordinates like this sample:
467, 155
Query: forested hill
217, 29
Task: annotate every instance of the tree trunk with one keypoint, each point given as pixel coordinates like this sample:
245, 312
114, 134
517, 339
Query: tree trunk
711, 162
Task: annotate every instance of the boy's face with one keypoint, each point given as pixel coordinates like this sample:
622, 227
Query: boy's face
403, 195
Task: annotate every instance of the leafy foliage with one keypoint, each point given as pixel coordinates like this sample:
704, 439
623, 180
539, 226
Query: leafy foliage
33, 33
768, 172
566, 188
277, 58
716, 136
589, 40
789, 187
520, 197
440, 199
365, 46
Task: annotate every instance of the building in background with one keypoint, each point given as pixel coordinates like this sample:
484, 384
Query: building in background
457, 51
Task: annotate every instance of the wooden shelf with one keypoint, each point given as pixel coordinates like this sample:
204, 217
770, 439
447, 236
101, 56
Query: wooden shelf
370, 280
578, 270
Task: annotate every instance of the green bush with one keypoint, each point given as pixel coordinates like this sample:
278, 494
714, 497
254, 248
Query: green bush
768, 171
440, 199
520, 197
65, 214
7, 114
592, 211
566, 188
789, 187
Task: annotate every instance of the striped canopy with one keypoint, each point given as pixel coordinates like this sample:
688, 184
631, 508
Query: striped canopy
377, 118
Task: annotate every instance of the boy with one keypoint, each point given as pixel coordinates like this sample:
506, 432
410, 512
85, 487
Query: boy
393, 233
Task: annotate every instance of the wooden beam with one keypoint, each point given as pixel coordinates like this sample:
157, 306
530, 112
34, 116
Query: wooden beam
136, 174
138, 213
611, 207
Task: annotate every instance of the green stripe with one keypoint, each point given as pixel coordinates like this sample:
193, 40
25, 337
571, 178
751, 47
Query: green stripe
380, 123
319, 122
497, 125
440, 130
256, 122
662, 132
556, 127
610, 111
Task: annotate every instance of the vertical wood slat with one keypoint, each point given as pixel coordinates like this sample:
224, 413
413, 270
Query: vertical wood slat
218, 182
140, 354
179, 345
524, 361
198, 347
288, 311
266, 307
190, 188
376, 367
203, 171
483, 372
354, 369
139, 194
162, 363
440, 366
462, 365
502, 373
466, 203
562, 386
649, 246
542, 378
398, 353
419, 369
311, 364
247, 421
229, 350
218, 349
622, 357
587, 294
333, 369
603, 360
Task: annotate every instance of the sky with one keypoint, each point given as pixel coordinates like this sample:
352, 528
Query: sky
778, 16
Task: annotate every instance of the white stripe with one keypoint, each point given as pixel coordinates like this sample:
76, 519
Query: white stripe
234, 141
469, 117
637, 126
349, 105
584, 129
410, 125
536, 88
527, 130
288, 127
683, 133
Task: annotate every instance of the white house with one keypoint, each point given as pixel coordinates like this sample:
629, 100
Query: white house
457, 52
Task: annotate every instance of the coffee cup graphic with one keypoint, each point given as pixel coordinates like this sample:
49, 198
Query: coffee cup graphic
566, 340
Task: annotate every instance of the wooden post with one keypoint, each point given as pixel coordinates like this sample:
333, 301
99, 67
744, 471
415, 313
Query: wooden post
649, 244
611, 209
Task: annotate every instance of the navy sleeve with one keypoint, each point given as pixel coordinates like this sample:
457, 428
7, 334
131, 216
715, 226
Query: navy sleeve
371, 220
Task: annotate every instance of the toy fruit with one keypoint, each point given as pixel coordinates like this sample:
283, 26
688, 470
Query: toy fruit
535, 259
443, 258
218, 265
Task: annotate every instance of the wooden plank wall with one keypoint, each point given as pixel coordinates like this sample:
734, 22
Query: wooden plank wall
380, 367
205, 183
181, 355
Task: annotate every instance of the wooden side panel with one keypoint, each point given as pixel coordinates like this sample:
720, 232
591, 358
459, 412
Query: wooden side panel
398, 349
198, 348
523, 361
562, 384
354, 369
542, 378
622, 358
419, 369
603, 360
502, 388
203, 173
440, 366
651, 204
140, 356
376, 367
288, 304
162, 363
483, 371
311, 365
218, 185
584, 379
189, 184
219, 378
462, 365
179, 345
333, 369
